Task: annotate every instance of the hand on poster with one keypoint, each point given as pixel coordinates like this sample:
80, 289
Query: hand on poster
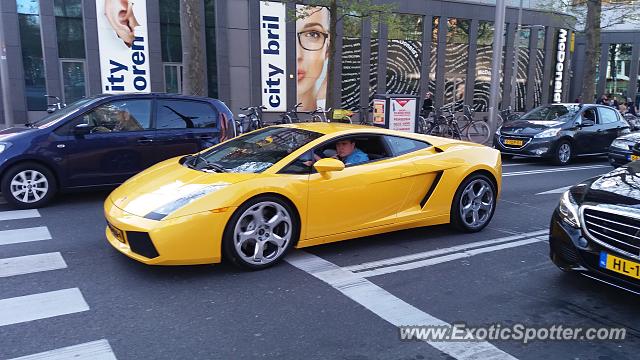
120, 15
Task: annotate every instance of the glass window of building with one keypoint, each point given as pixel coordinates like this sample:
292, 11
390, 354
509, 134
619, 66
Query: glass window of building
483, 66
32, 59
210, 38
618, 68
404, 53
539, 71
433, 56
519, 96
456, 62
351, 55
71, 51
171, 44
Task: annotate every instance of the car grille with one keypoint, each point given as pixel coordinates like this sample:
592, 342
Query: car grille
504, 137
613, 230
141, 244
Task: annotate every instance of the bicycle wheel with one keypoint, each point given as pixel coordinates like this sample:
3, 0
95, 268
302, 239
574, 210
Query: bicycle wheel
421, 126
442, 130
316, 118
478, 132
286, 119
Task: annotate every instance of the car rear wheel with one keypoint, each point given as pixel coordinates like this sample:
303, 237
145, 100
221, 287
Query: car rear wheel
28, 186
474, 203
260, 233
563, 153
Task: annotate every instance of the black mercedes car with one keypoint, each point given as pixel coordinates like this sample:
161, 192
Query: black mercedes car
595, 230
561, 131
621, 150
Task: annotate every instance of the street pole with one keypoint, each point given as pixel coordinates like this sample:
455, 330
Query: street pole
498, 41
516, 46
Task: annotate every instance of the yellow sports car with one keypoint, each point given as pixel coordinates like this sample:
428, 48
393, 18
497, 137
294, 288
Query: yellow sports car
250, 199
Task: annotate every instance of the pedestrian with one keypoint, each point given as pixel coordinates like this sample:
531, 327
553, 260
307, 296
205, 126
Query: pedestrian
622, 108
631, 107
427, 104
613, 102
603, 100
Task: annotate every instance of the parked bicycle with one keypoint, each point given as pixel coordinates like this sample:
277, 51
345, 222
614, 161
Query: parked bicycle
506, 115
291, 115
474, 130
249, 121
319, 115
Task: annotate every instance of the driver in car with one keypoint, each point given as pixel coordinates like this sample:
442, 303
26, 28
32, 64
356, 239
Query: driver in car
347, 152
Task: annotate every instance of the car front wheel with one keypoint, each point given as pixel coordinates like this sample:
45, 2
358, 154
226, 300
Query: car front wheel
28, 186
260, 233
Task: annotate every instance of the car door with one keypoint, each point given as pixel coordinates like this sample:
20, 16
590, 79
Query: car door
611, 126
184, 126
587, 138
115, 143
360, 196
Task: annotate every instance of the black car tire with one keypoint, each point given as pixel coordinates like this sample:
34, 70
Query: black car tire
35, 176
559, 155
460, 220
288, 226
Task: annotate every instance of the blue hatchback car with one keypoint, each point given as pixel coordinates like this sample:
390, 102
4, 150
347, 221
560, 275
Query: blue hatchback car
102, 140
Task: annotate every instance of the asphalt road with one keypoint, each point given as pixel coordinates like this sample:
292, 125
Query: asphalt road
108, 306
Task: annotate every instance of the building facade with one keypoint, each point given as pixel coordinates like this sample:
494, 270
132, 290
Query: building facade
51, 47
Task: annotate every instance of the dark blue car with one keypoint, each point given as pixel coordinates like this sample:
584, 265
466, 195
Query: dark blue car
103, 140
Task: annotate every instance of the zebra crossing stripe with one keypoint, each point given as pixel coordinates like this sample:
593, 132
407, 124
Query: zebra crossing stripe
95, 350
31, 264
17, 236
41, 306
18, 214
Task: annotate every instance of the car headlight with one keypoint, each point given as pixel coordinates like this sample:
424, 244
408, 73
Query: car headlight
166, 209
568, 210
4, 146
498, 130
548, 133
620, 144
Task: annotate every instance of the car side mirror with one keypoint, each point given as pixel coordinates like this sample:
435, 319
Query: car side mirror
587, 122
328, 164
82, 129
635, 149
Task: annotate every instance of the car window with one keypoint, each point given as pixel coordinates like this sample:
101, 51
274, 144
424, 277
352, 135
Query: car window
114, 116
555, 112
607, 116
185, 114
258, 150
590, 114
400, 145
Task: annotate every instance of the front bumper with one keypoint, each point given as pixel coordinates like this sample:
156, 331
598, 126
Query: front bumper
186, 240
619, 157
532, 147
567, 253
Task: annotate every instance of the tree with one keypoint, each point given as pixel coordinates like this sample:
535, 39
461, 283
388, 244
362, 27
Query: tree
338, 9
598, 16
193, 48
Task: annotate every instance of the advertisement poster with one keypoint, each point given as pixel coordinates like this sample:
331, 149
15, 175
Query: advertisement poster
312, 37
273, 55
378, 111
124, 46
403, 114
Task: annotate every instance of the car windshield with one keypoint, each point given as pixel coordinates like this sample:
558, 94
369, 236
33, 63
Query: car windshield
59, 114
254, 152
554, 112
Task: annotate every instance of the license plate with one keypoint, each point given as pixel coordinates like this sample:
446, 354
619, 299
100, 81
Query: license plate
117, 233
620, 265
634, 157
513, 142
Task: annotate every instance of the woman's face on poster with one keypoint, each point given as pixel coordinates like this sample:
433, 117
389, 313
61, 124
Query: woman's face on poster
120, 15
312, 44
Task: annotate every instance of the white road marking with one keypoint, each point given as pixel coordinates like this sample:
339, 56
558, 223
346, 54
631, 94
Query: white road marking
24, 235
390, 308
95, 350
555, 191
431, 253
507, 165
550, 170
449, 257
41, 306
31, 264
18, 214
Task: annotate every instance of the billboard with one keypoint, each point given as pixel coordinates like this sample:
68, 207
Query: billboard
312, 57
273, 55
123, 45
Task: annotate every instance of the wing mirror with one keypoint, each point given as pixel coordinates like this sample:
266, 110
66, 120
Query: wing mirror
636, 149
587, 122
328, 164
82, 129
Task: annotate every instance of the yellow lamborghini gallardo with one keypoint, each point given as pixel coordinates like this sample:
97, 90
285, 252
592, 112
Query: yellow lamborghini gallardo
252, 198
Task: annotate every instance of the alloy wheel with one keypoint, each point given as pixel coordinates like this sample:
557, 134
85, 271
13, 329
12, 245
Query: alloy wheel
29, 186
476, 203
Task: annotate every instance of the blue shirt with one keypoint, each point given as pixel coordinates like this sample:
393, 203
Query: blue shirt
356, 157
